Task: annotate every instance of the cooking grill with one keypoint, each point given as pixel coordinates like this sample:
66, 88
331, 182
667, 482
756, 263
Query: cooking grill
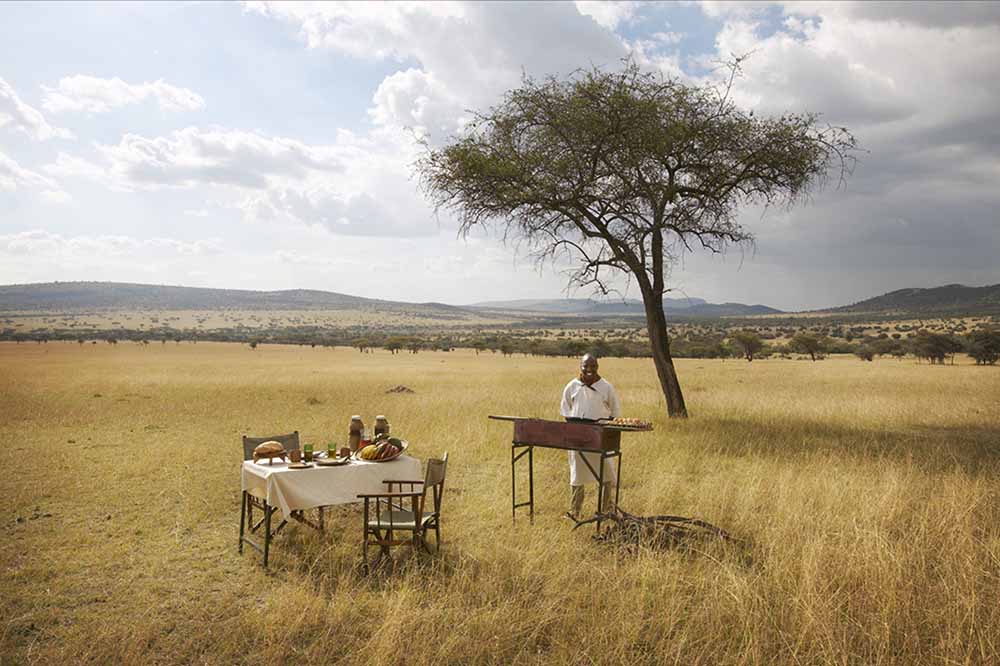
598, 438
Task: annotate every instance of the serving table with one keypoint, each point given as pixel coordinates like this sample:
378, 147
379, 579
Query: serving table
292, 491
578, 435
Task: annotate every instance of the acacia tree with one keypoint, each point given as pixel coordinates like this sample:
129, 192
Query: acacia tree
749, 343
805, 343
984, 347
625, 171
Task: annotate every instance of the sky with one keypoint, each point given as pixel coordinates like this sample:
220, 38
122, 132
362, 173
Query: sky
264, 145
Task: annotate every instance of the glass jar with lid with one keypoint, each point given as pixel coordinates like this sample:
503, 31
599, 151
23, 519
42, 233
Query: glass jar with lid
381, 426
355, 431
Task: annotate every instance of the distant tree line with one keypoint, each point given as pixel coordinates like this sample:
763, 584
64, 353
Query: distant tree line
982, 345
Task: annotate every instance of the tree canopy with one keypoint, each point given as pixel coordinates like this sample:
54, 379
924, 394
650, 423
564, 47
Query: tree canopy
623, 171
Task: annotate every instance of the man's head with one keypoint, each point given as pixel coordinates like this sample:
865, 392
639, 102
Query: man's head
588, 369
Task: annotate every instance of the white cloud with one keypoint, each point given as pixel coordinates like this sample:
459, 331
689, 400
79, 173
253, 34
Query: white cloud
96, 95
608, 13
733, 8
14, 177
24, 118
658, 52
969, 13
57, 196
44, 244
362, 29
194, 157
414, 98
917, 87
468, 54
72, 166
375, 194
390, 213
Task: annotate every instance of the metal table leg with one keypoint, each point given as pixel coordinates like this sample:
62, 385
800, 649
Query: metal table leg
514, 457
600, 490
531, 485
267, 531
618, 485
243, 519
513, 484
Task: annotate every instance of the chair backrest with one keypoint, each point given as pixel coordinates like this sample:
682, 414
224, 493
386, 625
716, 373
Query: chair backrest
289, 441
434, 479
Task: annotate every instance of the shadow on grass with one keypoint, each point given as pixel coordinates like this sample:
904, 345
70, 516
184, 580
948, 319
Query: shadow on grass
974, 449
631, 535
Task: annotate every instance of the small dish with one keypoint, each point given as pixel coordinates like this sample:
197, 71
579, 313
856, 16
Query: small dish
332, 462
300, 465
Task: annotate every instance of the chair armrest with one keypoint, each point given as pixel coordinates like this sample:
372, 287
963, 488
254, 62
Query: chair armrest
388, 495
399, 481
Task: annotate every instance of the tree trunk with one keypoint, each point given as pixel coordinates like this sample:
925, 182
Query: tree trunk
656, 325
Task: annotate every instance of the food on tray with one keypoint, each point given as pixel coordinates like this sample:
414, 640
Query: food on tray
630, 423
382, 450
269, 450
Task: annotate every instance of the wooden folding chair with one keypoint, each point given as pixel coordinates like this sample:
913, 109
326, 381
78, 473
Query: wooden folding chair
251, 501
385, 513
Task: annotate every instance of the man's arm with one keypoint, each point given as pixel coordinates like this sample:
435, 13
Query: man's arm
614, 403
566, 407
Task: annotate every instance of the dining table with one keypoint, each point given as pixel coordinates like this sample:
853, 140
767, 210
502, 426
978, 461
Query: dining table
282, 488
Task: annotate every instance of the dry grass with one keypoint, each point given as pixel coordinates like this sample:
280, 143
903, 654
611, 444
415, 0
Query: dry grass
869, 492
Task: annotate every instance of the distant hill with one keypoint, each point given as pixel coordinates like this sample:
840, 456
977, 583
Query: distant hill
950, 299
688, 307
121, 295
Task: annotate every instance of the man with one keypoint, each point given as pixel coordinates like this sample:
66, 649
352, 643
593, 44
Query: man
589, 397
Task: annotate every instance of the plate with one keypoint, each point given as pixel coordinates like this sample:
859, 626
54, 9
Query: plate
332, 462
300, 465
403, 444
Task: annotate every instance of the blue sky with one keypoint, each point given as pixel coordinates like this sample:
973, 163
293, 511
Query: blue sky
268, 146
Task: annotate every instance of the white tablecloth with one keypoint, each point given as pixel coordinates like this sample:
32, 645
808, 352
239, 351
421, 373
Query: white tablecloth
298, 489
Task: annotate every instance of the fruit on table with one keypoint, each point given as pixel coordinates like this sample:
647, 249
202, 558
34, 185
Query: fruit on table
269, 450
381, 451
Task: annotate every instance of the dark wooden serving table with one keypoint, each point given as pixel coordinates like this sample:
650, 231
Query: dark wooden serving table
581, 436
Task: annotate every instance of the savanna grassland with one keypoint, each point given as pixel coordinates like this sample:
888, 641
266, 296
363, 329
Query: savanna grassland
868, 495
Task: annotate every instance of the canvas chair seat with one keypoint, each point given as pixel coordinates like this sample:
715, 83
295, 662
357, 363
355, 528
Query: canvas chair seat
399, 520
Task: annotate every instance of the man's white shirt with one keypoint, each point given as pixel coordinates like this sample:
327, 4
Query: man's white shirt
597, 401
